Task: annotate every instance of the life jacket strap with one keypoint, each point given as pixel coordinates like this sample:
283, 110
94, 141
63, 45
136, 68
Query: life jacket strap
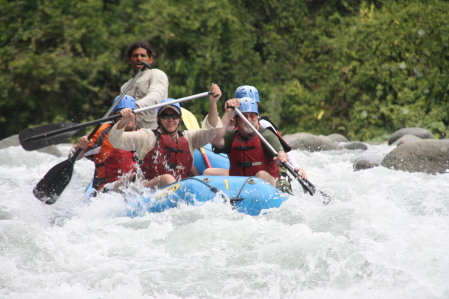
244, 148
246, 164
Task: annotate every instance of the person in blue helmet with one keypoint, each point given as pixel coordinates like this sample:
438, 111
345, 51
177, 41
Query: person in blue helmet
252, 92
228, 120
110, 163
247, 154
166, 153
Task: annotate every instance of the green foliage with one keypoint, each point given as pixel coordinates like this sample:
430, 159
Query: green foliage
360, 68
379, 71
392, 68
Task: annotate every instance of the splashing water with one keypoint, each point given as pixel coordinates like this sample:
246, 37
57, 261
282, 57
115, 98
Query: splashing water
384, 235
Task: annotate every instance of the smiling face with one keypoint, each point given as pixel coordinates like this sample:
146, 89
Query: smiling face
169, 120
137, 56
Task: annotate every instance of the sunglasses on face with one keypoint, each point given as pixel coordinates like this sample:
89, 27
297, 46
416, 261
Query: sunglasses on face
172, 116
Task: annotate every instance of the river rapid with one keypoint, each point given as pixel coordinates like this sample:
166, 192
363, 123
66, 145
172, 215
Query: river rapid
384, 235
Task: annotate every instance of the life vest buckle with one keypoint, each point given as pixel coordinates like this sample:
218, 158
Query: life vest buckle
246, 164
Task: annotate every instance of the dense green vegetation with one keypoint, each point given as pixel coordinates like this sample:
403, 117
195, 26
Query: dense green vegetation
360, 68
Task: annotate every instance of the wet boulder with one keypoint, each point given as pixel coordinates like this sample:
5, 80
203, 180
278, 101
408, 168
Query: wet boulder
367, 162
418, 132
355, 146
428, 156
9, 141
338, 137
310, 142
14, 141
405, 139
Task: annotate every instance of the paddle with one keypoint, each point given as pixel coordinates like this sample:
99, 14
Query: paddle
52, 134
26, 136
306, 185
56, 180
191, 122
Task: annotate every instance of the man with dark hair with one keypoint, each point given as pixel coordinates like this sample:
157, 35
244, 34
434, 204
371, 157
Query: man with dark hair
152, 86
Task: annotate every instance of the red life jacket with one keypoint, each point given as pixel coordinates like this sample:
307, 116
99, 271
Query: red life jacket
168, 157
110, 163
247, 157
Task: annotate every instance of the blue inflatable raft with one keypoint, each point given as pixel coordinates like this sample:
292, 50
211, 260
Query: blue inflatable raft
216, 160
247, 195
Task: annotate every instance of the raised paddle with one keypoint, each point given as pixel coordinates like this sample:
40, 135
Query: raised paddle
52, 133
56, 180
28, 143
191, 122
306, 185
58, 177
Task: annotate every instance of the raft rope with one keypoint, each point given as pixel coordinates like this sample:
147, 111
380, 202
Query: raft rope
215, 190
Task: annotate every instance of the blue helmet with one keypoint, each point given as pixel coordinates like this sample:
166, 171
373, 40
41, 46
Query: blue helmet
174, 106
126, 102
247, 91
248, 105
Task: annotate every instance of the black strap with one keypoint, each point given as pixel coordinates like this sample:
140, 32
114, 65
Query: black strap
171, 165
244, 148
173, 149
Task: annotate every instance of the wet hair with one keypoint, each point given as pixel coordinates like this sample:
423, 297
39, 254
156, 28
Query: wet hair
141, 44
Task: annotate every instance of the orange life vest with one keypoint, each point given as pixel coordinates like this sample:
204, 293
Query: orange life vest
110, 163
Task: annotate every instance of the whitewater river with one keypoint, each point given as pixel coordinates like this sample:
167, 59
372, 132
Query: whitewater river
384, 235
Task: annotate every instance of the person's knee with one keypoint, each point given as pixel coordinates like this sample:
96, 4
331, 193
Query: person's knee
208, 171
263, 175
216, 171
160, 181
167, 179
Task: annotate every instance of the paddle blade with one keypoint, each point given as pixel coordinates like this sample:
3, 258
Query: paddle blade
43, 141
189, 120
310, 187
54, 182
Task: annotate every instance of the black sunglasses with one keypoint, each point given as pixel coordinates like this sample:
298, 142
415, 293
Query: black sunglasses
172, 116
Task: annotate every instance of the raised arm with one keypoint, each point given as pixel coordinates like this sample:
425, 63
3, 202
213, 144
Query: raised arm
218, 141
213, 99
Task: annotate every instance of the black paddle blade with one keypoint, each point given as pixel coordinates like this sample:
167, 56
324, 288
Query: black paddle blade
28, 143
310, 187
54, 182
327, 198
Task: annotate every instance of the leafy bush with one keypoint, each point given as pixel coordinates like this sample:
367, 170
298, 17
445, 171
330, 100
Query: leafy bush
360, 68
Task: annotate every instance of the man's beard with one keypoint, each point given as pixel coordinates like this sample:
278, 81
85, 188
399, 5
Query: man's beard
246, 130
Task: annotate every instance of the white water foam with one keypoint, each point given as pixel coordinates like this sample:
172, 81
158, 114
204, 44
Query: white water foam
384, 235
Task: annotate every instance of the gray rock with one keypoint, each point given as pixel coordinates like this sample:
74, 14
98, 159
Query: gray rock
405, 139
52, 150
355, 146
418, 132
428, 156
311, 143
367, 162
338, 138
14, 141
9, 141
364, 164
